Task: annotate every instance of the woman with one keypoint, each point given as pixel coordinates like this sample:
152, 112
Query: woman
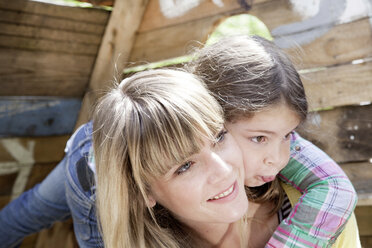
165, 171
169, 174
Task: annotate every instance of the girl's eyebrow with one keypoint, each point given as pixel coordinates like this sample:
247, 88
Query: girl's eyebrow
259, 131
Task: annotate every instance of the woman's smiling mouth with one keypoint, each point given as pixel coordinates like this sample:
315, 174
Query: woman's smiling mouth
226, 193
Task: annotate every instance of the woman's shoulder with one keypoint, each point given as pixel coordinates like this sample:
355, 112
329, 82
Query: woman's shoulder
80, 137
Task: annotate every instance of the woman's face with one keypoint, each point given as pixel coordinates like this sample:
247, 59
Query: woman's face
208, 187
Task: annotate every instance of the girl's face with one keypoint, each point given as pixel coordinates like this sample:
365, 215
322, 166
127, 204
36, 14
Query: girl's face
208, 187
265, 142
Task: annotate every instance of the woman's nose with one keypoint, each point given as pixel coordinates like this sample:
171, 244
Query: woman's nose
218, 168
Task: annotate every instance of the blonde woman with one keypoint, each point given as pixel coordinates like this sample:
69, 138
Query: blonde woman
169, 174
158, 164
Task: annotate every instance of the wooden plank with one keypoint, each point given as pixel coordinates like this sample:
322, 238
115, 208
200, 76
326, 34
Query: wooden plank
114, 50
360, 174
366, 241
39, 149
13, 184
4, 200
26, 43
43, 73
275, 14
182, 35
6, 183
365, 199
35, 20
38, 116
48, 34
61, 235
364, 215
38, 173
297, 23
155, 18
44, 86
340, 85
178, 39
344, 133
90, 15
335, 47
30, 241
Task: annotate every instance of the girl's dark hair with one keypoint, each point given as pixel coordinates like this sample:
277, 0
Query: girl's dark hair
247, 74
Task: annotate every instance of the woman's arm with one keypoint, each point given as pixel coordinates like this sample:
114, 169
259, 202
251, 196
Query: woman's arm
35, 209
327, 202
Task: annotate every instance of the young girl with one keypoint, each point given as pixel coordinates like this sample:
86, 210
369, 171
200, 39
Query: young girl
264, 101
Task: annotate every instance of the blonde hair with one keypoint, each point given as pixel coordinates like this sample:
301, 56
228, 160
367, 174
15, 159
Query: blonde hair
146, 124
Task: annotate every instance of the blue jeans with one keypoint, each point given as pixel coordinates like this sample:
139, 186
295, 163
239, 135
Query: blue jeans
68, 191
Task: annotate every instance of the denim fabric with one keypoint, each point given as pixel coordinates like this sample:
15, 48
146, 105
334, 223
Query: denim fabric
59, 196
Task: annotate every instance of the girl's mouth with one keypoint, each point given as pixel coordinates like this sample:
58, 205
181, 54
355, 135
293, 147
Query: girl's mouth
267, 179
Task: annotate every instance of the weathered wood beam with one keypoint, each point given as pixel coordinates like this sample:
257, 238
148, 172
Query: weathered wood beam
172, 37
114, 50
157, 16
341, 85
65, 12
38, 116
343, 133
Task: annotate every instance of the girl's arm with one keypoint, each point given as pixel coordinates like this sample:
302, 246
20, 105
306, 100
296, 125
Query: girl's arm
327, 202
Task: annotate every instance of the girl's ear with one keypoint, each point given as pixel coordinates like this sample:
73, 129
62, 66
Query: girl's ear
151, 202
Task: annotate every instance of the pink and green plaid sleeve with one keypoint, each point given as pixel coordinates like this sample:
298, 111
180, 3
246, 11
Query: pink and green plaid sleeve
328, 199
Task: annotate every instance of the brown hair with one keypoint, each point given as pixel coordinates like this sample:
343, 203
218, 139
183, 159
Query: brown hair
247, 74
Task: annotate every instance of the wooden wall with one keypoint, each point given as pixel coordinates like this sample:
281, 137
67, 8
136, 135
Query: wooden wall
331, 43
47, 53
48, 50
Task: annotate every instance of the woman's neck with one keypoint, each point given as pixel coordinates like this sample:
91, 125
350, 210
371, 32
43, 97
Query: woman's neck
259, 218
228, 235
217, 235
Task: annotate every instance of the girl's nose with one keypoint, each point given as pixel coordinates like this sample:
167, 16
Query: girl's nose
274, 157
218, 169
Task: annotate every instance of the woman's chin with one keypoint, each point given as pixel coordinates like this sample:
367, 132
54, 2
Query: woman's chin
254, 183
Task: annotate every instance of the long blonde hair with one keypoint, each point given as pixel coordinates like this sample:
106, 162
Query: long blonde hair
146, 124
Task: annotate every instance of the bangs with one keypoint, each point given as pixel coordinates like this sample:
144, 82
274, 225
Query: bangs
171, 134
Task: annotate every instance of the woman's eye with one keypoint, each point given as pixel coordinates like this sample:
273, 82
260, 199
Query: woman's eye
259, 139
184, 167
221, 136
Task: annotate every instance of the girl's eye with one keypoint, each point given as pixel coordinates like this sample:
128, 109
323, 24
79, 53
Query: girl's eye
288, 136
259, 139
221, 136
183, 168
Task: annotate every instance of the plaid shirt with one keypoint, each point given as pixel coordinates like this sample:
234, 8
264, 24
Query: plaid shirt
328, 199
